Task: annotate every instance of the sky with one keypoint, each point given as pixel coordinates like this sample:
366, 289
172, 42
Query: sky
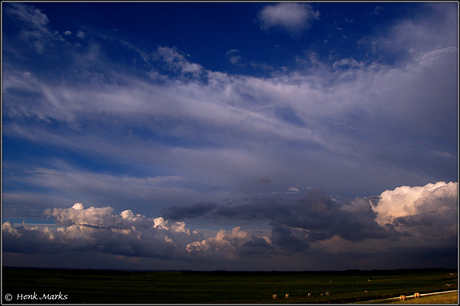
230, 136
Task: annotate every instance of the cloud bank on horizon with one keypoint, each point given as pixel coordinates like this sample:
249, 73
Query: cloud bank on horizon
424, 217
310, 131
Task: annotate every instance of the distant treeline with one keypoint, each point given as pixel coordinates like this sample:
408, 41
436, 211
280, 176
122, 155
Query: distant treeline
348, 271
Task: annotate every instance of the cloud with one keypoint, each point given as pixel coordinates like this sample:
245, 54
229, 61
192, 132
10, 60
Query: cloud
412, 37
293, 190
176, 133
316, 217
350, 62
175, 107
377, 10
98, 229
108, 189
82, 230
67, 32
283, 237
175, 61
81, 34
233, 58
231, 109
293, 17
230, 245
313, 226
406, 201
193, 211
35, 25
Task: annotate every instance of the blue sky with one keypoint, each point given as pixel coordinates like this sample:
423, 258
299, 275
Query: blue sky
230, 135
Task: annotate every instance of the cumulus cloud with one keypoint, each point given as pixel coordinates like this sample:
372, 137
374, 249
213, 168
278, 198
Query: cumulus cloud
98, 229
230, 245
319, 217
315, 223
405, 203
293, 17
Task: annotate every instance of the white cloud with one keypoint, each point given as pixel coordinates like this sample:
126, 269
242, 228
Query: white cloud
156, 76
98, 229
351, 62
232, 51
176, 61
408, 201
421, 35
293, 190
67, 32
224, 245
294, 17
83, 229
236, 59
81, 34
233, 57
36, 28
231, 245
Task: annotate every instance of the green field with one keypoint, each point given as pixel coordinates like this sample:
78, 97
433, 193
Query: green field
97, 286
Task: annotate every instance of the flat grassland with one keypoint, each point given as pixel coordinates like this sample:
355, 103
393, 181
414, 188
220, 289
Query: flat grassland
188, 287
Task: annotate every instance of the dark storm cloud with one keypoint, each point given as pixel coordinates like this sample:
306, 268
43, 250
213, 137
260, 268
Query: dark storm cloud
257, 247
317, 214
258, 209
283, 237
192, 211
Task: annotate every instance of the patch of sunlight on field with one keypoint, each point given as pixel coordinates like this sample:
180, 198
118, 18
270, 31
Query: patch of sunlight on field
445, 298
